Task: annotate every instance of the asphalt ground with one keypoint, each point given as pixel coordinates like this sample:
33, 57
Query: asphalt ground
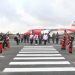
8, 54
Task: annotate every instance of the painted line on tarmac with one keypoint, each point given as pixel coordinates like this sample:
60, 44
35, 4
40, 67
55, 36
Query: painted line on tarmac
39, 69
40, 52
38, 55
38, 46
40, 63
42, 49
74, 46
36, 58
1, 56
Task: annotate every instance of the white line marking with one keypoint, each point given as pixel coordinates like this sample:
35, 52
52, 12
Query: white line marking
36, 58
39, 69
37, 46
38, 55
39, 63
2, 56
38, 49
74, 46
39, 52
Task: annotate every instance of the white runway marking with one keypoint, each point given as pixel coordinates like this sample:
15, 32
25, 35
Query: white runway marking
36, 49
74, 46
38, 46
39, 69
39, 52
2, 56
39, 63
38, 55
37, 58
45, 55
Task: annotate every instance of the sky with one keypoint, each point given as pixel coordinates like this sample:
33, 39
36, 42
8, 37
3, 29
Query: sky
23, 15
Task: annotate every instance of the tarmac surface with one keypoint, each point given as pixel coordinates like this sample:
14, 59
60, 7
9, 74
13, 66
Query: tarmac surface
25, 59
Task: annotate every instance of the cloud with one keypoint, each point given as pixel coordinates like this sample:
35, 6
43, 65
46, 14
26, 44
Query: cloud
22, 15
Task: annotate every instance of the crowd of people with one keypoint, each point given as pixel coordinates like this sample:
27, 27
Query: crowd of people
36, 39
41, 39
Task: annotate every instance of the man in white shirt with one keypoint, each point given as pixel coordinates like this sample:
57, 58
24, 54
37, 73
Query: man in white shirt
45, 38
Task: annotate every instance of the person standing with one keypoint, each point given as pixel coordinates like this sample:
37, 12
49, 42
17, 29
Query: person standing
27, 38
53, 37
45, 38
21, 36
57, 38
16, 38
5, 39
24, 37
40, 39
36, 39
48, 38
31, 39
